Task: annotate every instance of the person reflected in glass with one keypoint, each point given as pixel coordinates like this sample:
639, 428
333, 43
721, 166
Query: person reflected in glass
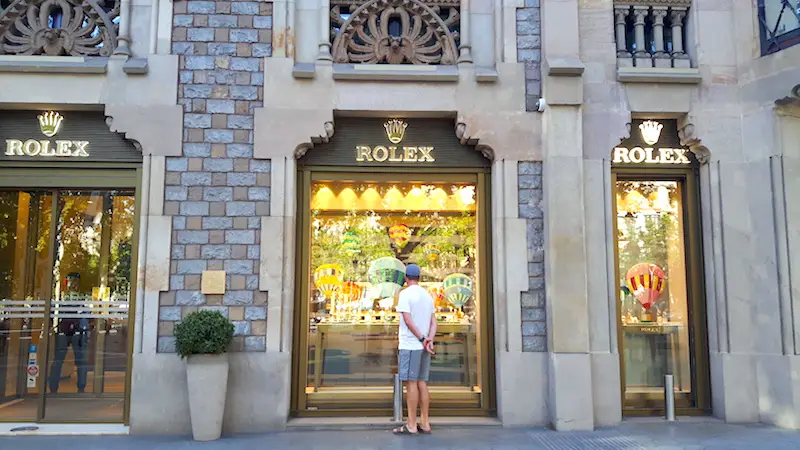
72, 332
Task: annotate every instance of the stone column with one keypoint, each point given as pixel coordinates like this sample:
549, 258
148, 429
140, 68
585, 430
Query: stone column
641, 56
465, 57
679, 57
621, 14
325, 31
124, 39
661, 58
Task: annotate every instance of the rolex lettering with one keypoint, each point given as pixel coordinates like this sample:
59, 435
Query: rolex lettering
46, 148
382, 153
639, 155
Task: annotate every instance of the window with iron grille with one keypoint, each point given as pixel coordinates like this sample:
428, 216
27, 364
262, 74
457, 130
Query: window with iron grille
779, 22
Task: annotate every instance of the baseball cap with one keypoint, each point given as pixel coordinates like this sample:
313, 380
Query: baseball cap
412, 270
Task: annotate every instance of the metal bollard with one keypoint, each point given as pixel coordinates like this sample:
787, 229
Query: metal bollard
397, 399
669, 398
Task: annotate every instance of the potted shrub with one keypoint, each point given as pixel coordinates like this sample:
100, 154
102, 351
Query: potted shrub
202, 338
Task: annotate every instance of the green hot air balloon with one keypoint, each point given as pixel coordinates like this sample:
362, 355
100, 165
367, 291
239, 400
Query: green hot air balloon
387, 276
351, 243
458, 289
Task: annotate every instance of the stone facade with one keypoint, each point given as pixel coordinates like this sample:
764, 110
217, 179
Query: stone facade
216, 192
529, 42
534, 321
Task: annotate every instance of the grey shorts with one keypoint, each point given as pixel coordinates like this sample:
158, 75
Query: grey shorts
413, 365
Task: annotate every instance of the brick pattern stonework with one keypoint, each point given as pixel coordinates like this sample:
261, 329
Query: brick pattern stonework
534, 322
216, 192
529, 50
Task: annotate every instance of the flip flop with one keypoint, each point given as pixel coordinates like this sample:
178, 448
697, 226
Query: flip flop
424, 431
404, 430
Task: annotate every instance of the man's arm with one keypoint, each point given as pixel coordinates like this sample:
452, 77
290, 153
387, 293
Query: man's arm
432, 328
431, 335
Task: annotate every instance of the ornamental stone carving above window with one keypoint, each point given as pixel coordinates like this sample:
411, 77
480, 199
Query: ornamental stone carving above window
395, 31
58, 27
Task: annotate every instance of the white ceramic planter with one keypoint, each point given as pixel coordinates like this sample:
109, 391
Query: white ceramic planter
207, 380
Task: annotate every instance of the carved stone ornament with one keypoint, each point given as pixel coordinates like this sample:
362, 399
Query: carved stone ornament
465, 139
395, 32
303, 148
791, 100
688, 139
58, 27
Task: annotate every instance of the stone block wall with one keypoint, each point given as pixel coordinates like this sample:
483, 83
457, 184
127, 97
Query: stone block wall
529, 50
216, 192
534, 321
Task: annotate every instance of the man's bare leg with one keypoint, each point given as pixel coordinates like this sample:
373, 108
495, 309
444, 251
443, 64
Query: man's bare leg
412, 400
424, 404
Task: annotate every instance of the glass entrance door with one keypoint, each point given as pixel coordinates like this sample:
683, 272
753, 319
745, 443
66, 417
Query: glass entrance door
65, 263
357, 236
660, 299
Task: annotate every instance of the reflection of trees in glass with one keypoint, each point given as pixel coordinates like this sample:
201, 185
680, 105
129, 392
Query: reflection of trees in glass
8, 231
121, 245
78, 239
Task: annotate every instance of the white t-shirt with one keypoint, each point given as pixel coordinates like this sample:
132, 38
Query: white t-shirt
417, 301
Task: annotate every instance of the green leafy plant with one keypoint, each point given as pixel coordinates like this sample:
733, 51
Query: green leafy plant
203, 333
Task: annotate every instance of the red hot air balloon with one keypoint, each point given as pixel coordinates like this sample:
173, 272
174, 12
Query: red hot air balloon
646, 282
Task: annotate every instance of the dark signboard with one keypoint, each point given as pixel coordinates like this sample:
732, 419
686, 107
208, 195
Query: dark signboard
407, 144
76, 136
653, 142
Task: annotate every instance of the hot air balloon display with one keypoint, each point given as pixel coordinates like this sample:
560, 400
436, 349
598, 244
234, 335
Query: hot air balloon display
399, 234
328, 278
458, 289
431, 253
351, 243
351, 291
646, 282
387, 276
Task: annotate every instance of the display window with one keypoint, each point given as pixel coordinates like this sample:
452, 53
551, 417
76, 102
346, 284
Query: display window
659, 275
379, 195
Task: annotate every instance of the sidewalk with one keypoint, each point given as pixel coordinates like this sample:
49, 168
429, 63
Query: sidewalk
629, 436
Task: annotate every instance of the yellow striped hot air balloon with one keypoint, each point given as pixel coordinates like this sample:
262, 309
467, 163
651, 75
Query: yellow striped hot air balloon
431, 252
646, 281
399, 234
328, 278
458, 289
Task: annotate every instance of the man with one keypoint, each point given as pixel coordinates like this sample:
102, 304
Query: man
417, 330
72, 332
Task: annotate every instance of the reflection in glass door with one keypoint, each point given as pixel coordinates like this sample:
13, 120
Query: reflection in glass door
658, 303
64, 297
358, 237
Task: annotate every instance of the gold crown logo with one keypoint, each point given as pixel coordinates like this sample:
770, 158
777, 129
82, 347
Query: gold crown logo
50, 123
395, 129
651, 131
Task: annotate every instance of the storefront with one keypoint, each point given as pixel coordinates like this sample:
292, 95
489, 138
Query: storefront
383, 193
68, 240
659, 268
